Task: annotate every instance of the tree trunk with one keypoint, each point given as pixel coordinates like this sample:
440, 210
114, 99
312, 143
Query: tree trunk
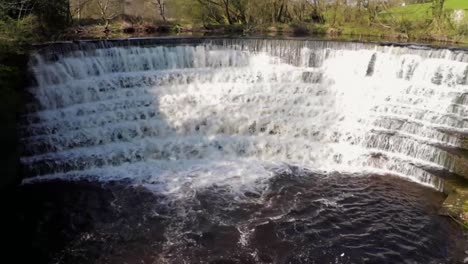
162, 9
280, 12
228, 14
20, 11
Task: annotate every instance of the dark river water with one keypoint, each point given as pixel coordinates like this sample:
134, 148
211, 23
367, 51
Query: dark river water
297, 218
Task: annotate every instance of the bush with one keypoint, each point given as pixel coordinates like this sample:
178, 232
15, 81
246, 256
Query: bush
462, 29
461, 24
300, 28
53, 16
404, 25
17, 34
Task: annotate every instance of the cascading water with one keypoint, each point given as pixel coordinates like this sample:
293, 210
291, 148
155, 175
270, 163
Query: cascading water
237, 111
251, 146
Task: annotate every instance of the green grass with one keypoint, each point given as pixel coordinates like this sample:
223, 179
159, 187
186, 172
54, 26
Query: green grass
419, 12
411, 12
456, 4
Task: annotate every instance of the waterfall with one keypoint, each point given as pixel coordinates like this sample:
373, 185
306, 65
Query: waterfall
180, 115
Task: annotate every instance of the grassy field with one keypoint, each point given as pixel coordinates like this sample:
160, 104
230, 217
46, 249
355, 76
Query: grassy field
456, 4
419, 12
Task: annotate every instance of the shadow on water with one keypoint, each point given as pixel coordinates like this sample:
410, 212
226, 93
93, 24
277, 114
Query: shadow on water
299, 218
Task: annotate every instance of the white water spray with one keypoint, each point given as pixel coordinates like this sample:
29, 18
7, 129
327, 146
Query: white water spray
235, 112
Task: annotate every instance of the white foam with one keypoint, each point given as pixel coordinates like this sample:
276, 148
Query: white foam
188, 117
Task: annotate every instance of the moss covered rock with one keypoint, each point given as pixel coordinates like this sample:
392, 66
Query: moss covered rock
456, 204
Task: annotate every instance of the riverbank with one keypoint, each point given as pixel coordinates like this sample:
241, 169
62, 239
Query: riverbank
122, 29
456, 203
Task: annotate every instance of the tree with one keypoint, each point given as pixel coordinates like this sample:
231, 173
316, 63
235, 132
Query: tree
437, 14
53, 16
17, 8
77, 7
373, 8
161, 6
305, 11
231, 11
318, 10
254, 11
109, 9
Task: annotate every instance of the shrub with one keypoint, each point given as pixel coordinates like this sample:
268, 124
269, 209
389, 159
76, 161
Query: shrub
462, 29
404, 25
54, 16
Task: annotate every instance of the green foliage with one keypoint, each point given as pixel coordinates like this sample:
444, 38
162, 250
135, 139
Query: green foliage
462, 29
404, 25
413, 13
460, 22
419, 18
423, 11
53, 16
50, 17
254, 12
456, 4
16, 34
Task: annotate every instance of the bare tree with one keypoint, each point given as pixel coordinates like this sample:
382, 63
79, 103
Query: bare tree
77, 8
20, 7
162, 8
224, 5
108, 10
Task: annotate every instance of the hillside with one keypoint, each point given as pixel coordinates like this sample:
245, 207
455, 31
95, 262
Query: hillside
418, 12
